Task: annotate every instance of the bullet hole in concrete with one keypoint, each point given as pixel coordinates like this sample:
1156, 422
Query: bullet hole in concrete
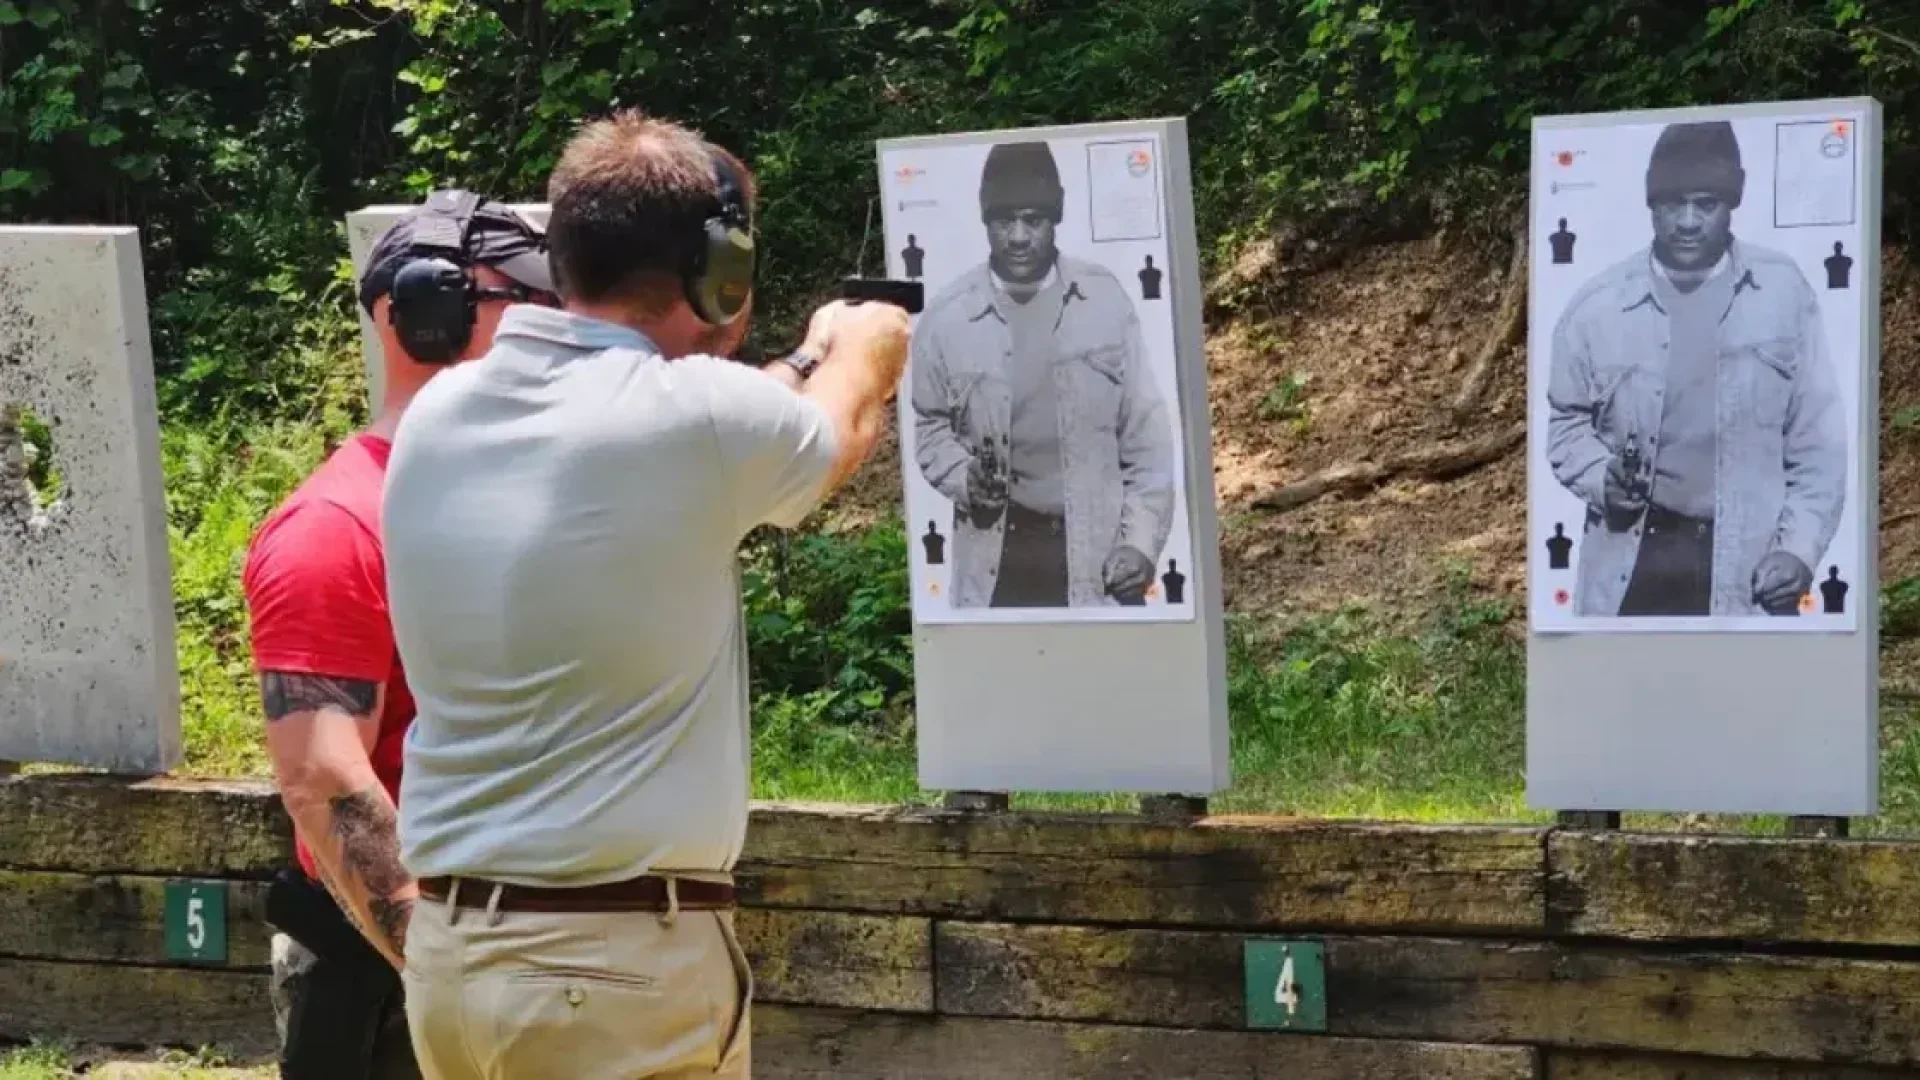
30, 463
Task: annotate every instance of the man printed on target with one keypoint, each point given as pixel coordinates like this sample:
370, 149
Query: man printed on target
1036, 415
1695, 410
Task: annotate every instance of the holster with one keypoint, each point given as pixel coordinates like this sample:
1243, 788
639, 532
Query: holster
343, 999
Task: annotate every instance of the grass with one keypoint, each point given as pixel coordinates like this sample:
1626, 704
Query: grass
43, 1060
1340, 715
1348, 714
1353, 713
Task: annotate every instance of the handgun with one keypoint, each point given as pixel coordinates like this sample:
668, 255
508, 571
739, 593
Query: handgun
908, 295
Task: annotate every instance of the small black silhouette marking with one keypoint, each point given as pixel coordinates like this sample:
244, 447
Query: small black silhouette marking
1562, 242
914, 256
1839, 267
1175, 581
1150, 281
935, 544
1559, 547
1833, 592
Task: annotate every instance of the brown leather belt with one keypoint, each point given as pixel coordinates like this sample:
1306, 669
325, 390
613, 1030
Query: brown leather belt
636, 894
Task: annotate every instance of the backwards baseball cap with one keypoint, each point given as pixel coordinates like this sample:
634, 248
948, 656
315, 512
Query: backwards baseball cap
467, 230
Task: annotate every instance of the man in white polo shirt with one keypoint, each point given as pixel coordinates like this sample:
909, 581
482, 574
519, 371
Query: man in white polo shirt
562, 520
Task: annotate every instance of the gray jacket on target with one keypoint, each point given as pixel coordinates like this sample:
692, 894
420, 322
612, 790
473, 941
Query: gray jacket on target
1781, 457
1115, 431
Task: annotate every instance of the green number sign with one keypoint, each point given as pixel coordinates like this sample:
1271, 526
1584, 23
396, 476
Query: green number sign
196, 921
1286, 985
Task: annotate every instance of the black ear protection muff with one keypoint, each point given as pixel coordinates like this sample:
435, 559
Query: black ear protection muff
432, 308
434, 300
718, 276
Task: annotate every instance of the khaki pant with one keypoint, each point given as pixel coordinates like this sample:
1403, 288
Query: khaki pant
587, 996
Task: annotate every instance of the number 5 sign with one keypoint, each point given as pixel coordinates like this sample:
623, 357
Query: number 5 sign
196, 921
1286, 985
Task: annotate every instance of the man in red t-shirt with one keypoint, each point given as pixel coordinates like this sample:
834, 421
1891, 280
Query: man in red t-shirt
335, 695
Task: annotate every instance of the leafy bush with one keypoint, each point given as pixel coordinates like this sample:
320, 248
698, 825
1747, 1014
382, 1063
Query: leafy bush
829, 625
237, 135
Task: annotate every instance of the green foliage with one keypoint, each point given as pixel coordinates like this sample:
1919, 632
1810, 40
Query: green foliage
218, 492
1900, 610
40, 1059
1342, 714
224, 476
43, 1059
43, 464
828, 624
1286, 401
235, 135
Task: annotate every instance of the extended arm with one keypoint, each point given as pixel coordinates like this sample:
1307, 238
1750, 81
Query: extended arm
786, 450
320, 735
865, 350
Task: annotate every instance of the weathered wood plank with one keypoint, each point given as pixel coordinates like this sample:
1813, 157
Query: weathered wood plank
60, 916
110, 825
1748, 888
135, 1006
1225, 872
830, 1044
1594, 1065
1790, 1008
830, 958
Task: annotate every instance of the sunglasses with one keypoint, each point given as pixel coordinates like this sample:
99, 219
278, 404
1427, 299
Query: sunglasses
519, 294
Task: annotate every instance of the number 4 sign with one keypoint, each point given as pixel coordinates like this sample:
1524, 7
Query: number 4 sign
1286, 985
196, 921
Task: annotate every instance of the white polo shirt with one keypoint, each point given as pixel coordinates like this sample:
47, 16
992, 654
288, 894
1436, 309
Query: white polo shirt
561, 521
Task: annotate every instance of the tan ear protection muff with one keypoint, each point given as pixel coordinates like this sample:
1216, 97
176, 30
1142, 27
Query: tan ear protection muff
718, 277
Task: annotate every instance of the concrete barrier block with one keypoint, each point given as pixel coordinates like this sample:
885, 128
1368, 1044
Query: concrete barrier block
89, 674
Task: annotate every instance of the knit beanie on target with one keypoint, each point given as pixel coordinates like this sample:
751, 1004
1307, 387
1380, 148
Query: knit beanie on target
1696, 157
1021, 176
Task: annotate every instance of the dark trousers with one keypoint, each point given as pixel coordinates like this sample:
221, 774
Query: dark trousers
1674, 573
337, 1002
1033, 560
341, 1023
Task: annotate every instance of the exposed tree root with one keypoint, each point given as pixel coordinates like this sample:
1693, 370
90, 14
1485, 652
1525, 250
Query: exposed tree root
1506, 332
1434, 463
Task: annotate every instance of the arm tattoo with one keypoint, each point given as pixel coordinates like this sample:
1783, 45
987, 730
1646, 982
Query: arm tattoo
340, 899
284, 694
368, 832
393, 917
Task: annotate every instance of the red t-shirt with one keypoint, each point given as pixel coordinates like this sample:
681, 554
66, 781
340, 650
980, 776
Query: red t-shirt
316, 584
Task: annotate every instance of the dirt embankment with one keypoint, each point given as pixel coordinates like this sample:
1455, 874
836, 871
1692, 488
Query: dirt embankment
1366, 428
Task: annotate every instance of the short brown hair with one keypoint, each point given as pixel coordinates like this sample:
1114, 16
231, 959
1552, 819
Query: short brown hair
627, 200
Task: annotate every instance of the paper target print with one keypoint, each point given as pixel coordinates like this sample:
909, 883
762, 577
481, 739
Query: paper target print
1042, 440
1697, 348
